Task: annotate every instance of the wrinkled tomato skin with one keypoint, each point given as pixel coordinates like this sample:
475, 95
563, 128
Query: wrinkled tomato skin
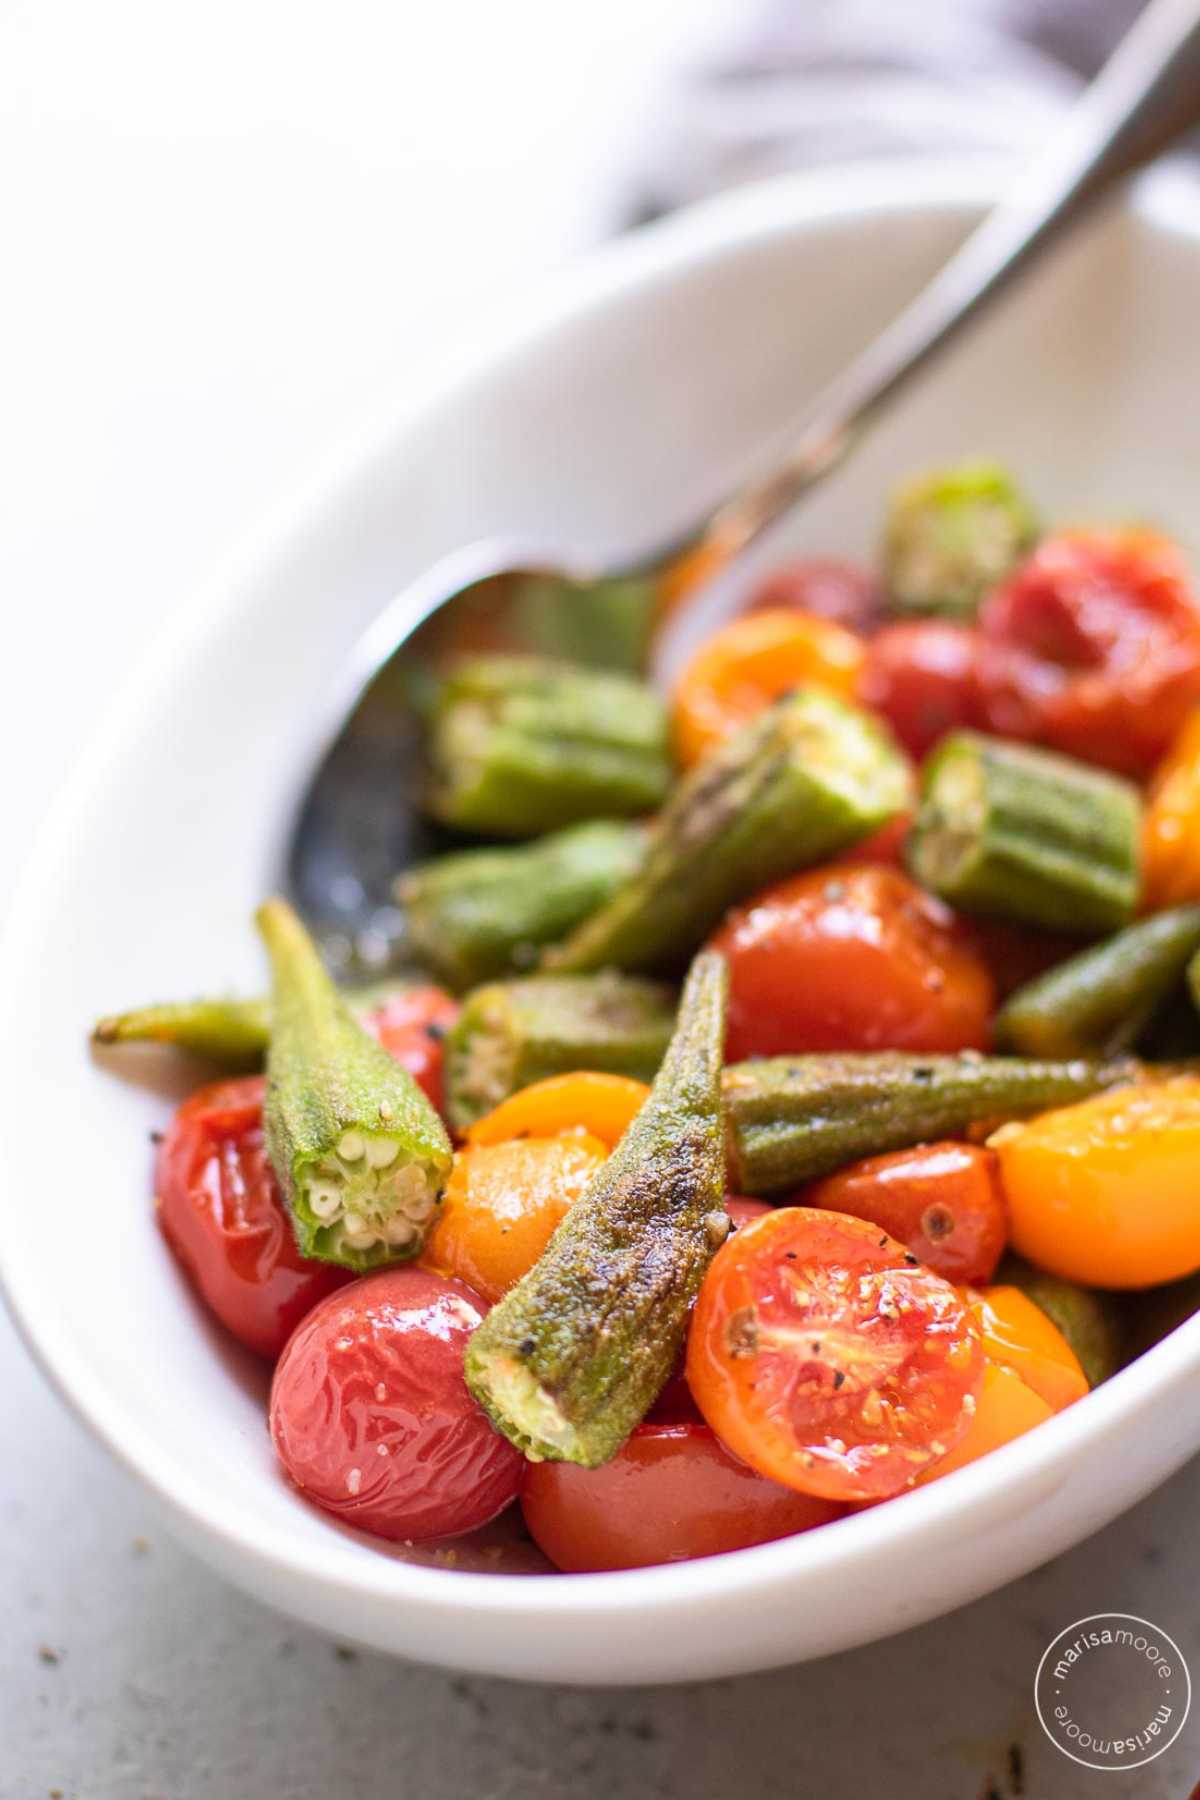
851, 957
845, 593
942, 1201
371, 1417
1093, 648
671, 1493
920, 676
412, 1027
222, 1212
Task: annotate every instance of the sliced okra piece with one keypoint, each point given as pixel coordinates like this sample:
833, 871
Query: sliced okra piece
951, 535
1020, 833
1092, 1322
523, 745
361, 1155
805, 778
573, 1357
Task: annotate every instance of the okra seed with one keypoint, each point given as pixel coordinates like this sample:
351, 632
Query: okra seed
381, 1151
324, 1199
351, 1145
400, 1232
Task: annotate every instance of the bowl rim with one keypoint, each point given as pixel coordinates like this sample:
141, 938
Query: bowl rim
719, 228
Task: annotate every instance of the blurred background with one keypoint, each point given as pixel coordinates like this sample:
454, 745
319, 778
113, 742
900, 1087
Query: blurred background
230, 231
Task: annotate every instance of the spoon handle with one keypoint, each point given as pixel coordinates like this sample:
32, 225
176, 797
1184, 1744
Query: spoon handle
1146, 96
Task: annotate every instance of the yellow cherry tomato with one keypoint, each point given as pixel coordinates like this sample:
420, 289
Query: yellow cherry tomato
603, 1105
1171, 831
1019, 1336
1006, 1409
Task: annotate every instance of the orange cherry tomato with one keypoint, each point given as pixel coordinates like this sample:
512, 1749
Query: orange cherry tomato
1019, 1336
1006, 1409
753, 661
1105, 1192
943, 1201
1171, 833
604, 1106
826, 1357
671, 1493
853, 957
503, 1202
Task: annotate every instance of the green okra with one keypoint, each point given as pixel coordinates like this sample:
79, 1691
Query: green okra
1099, 1001
802, 780
361, 1155
512, 1033
572, 1358
1092, 1322
477, 914
522, 745
1021, 833
793, 1118
951, 535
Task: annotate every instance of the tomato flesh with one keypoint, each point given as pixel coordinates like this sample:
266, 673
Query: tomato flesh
852, 957
412, 1027
371, 1417
943, 1201
221, 1210
824, 1355
671, 1493
920, 676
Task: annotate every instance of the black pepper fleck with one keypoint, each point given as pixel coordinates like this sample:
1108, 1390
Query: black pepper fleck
527, 1346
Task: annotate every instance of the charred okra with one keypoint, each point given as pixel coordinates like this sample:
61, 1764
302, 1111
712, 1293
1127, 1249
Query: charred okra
1099, 1001
1026, 834
522, 745
1091, 1322
804, 779
360, 1153
512, 1033
569, 1361
793, 1118
482, 913
950, 536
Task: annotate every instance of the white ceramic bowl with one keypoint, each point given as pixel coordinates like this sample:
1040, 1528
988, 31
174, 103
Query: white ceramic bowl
606, 409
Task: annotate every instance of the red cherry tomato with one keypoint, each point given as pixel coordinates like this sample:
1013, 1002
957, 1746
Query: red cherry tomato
671, 1493
851, 958
1016, 953
943, 1201
411, 1026
371, 1417
1093, 647
920, 675
222, 1213
825, 1356
883, 846
843, 592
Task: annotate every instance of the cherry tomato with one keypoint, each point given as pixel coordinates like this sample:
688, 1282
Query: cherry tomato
826, 1357
844, 592
883, 846
920, 676
1015, 953
604, 1106
1007, 1409
411, 1026
371, 1417
671, 1493
1171, 828
1018, 1335
851, 958
1093, 647
675, 1404
221, 1211
943, 1201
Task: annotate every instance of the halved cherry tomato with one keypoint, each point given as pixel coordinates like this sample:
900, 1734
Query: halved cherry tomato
1006, 1409
920, 676
502, 1204
602, 1105
411, 1026
826, 1357
851, 958
1171, 834
671, 1493
371, 1416
1019, 1336
1093, 647
749, 663
221, 1211
1105, 1192
943, 1201
844, 592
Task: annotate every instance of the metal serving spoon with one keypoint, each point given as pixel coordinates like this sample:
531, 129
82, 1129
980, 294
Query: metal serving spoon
354, 826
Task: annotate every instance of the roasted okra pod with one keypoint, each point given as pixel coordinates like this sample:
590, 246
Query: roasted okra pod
524, 745
804, 779
360, 1153
569, 1361
950, 536
1020, 833
477, 914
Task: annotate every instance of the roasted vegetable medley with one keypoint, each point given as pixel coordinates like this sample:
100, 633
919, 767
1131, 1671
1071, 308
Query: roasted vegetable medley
792, 1093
